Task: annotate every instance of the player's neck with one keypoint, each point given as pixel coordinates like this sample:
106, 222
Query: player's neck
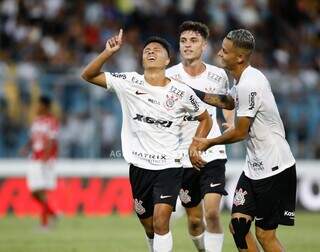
237, 72
156, 77
194, 67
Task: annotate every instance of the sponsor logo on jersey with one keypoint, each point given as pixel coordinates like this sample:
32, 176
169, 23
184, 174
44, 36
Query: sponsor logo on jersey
138, 207
151, 158
184, 196
153, 101
119, 75
194, 103
190, 118
252, 95
209, 90
256, 166
239, 197
179, 93
151, 120
214, 77
134, 80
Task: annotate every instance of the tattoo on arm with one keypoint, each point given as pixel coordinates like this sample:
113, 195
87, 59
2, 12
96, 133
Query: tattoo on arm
220, 101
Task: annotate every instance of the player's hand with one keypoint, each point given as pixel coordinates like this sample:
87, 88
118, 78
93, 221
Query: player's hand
195, 157
113, 44
227, 126
202, 144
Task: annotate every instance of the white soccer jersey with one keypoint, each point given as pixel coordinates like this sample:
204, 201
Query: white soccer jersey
212, 80
152, 119
268, 152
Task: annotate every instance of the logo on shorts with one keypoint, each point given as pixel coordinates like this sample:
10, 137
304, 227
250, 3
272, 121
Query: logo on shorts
290, 214
214, 185
138, 207
184, 197
239, 198
165, 196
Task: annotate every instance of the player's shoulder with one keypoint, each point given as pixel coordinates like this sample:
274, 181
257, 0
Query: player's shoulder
173, 69
253, 73
216, 74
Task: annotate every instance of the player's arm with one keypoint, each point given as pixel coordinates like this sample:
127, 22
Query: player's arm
217, 100
237, 134
204, 127
229, 118
92, 72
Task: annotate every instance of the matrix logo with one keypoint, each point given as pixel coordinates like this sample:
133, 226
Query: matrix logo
151, 120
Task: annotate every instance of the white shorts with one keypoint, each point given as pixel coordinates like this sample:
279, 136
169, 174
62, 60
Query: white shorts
41, 176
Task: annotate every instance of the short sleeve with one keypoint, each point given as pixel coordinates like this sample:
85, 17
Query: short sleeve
117, 81
248, 100
192, 104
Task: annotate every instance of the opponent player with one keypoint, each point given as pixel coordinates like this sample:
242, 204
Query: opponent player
153, 108
44, 147
266, 190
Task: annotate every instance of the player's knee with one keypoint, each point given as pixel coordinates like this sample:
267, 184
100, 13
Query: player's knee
195, 223
212, 215
160, 225
264, 236
240, 227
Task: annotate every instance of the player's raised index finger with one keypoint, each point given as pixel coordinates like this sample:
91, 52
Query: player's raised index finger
120, 35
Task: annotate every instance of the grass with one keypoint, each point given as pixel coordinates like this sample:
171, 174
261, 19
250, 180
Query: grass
124, 234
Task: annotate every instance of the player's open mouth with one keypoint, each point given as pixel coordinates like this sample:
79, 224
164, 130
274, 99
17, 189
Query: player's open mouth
151, 58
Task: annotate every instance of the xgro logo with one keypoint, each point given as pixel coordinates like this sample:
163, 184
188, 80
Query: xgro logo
150, 120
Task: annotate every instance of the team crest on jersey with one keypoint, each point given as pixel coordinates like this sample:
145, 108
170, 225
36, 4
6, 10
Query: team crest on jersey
170, 101
239, 197
184, 197
138, 207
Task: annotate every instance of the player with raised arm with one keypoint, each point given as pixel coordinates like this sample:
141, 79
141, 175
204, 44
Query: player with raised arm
208, 183
266, 190
153, 108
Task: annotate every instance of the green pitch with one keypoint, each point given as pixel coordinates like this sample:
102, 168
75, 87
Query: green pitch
124, 234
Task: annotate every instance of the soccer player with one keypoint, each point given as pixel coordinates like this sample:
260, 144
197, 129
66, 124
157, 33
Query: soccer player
208, 183
266, 189
153, 108
44, 146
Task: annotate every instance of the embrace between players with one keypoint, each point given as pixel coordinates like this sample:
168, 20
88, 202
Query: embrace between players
165, 127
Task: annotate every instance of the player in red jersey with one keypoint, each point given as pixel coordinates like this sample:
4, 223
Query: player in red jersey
44, 149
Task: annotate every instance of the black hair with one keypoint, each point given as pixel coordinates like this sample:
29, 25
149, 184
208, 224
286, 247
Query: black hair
165, 44
242, 39
196, 27
45, 100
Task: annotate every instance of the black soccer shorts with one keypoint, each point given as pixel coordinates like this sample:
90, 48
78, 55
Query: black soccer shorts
271, 201
196, 184
150, 187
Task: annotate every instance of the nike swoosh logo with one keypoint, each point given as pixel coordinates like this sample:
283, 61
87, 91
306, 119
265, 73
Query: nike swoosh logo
165, 196
257, 218
140, 93
214, 185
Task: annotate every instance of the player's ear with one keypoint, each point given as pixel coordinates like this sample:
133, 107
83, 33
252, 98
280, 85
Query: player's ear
167, 61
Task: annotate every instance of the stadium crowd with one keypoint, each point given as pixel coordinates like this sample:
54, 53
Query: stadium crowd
44, 45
